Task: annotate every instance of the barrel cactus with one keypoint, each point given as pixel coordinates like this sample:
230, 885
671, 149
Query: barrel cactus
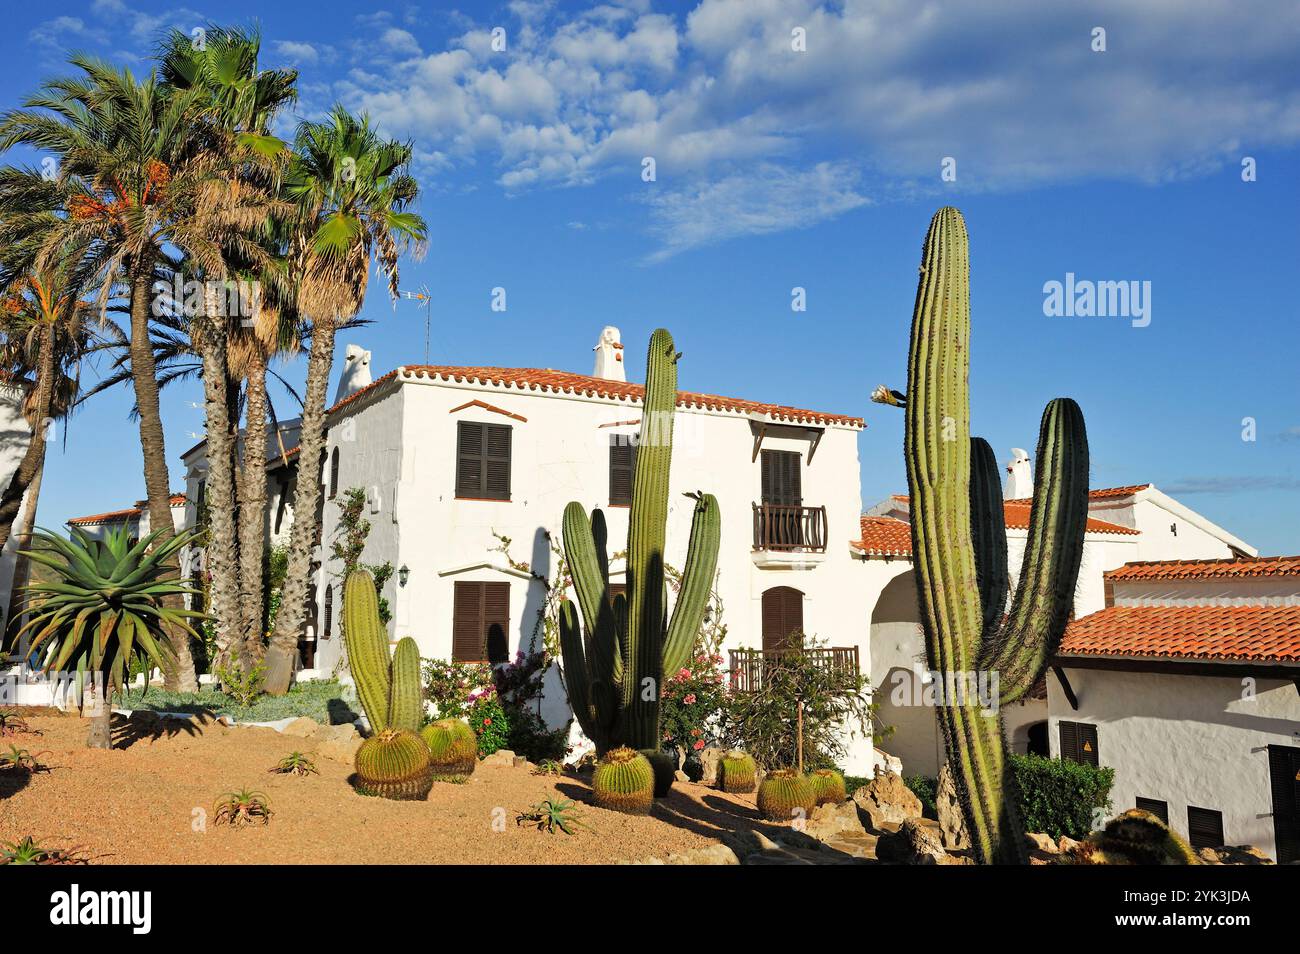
453, 749
828, 786
665, 769
388, 686
624, 781
736, 773
394, 764
785, 795
613, 673
1137, 837
960, 547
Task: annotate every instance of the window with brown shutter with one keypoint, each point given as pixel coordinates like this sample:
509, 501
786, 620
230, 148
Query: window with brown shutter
329, 612
782, 482
1155, 806
334, 473
483, 460
622, 465
1204, 828
782, 617
480, 623
1284, 781
1078, 742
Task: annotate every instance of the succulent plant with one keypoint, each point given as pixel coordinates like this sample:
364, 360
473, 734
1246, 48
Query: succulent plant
613, 673
244, 807
785, 795
551, 815
295, 763
960, 540
29, 851
453, 749
828, 786
388, 686
736, 773
624, 782
665, 769
394, 764
1140, 838
11, 723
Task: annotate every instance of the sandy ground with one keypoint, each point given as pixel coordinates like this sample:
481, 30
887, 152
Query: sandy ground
145, 802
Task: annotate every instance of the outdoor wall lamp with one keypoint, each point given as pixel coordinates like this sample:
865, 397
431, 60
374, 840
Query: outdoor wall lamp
403, 574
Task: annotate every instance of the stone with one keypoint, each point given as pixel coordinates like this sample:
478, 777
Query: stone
301, 728
339, 750
500, 757
1037, 841
709, 759
1235, 855
712, 855
886, 800
335, 733
913, 844
1066, 844
829, 822
952, 822
681, 776
521, 761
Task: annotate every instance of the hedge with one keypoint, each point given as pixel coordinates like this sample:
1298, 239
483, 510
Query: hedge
1061, 797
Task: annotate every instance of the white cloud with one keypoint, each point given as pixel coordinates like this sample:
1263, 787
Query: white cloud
399, 42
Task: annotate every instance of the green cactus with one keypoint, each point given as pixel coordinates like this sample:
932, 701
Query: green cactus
624, 781
736, 773
614, 672
665, 769
453, 749
1142, 838
394, 764
388, 687
828, 786
959, 539
785, 795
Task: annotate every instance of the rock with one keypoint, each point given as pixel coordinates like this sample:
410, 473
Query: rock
301, 728
681, 776
339, 750
765, 843
1234, 855
952, 822
913, 844
500, 757
712, 855
886, 800
335, 733
521, 761
886, 762
829, 822
709, 759
1037, 841
1066, 845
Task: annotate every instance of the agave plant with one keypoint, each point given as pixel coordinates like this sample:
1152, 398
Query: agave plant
17, 758
11, 723
244, 807
295, 763
30, 852
111, 601
551, 815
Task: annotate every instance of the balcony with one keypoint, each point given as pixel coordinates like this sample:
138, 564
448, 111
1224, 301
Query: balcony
751, 667
789, 536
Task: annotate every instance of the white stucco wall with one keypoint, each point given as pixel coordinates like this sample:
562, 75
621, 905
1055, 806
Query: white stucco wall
15, 434
1185, 740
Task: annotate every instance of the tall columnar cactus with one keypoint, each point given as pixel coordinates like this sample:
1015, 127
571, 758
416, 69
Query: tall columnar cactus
959, 539
613, 673
388, 686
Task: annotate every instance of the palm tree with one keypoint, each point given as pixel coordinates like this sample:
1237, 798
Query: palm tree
353, 189
110, 603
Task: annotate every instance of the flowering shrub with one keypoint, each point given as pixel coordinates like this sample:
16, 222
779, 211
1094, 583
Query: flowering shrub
449, 686
490, 722
692, 703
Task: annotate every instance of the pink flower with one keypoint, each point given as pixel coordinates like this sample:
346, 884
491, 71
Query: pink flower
699, 744
683, 674
689, 698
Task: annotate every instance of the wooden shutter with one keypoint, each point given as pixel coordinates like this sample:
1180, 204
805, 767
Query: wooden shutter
782, 615
782, 481
1284, 778
622, 465
1155, 807
334, 473
1079, 742
1204, 828
616, 589
483, 460
329, 612
480, 625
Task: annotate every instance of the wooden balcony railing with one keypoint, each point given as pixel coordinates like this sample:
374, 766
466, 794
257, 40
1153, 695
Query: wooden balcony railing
789, 527
750, 667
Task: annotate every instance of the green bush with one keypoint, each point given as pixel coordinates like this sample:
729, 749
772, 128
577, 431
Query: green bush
925, 789
1061, 797
322, 700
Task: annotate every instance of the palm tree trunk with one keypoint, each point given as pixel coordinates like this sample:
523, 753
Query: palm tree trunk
12, 499
306, 497
252, 509
179, 675
97, 696
221, 553
22, 566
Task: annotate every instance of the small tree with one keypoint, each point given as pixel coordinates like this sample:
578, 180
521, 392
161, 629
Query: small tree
350, 542
800, 710
107, 605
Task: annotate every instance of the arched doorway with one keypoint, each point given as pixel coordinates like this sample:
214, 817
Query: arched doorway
782, 619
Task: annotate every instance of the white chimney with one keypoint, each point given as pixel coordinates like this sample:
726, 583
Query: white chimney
1020, 482
356, 372
609, 355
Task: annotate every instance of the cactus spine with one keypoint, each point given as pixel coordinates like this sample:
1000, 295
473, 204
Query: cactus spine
453, 749
828, 786
736, 772
624, 782
784, 795
394, 764
388, 687
959, 539
614, 672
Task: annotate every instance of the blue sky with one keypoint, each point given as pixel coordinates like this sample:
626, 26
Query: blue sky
820, 168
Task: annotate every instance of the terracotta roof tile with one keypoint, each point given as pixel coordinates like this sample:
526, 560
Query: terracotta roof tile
1255, 633
129, 513
1237, 568
546, 380
1102, 493
889, 536
1017, 517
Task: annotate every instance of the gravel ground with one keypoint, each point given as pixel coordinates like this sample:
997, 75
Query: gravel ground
145, 802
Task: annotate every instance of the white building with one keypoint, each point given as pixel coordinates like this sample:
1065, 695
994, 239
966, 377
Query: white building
15, 434
1124, 524
1188, 685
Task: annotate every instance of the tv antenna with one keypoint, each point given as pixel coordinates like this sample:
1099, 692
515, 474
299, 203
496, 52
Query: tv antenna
426, 300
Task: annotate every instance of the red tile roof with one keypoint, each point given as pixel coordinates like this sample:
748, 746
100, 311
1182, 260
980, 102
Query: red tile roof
113, 516
1237, 568
1102, 493
889, 536
1255, 633
546, 380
